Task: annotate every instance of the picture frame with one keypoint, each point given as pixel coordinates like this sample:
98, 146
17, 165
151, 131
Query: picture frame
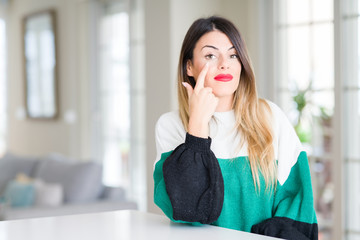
40, 65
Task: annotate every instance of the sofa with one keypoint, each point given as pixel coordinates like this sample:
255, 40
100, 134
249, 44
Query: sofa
55, 185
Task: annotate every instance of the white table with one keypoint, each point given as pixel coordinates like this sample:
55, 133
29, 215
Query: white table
119, 225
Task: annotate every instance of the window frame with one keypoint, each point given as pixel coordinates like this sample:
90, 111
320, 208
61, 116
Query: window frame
338, 217
137, 172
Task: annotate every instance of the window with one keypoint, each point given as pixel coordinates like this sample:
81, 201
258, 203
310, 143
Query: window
118, 95
114, 96
305, 32
351, 122
3, 102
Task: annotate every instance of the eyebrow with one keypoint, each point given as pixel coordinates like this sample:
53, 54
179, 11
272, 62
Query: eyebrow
210, 46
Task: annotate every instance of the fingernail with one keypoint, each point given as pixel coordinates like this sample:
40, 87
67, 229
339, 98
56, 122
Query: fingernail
184, 84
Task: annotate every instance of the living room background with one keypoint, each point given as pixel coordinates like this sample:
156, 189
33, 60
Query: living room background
156, 29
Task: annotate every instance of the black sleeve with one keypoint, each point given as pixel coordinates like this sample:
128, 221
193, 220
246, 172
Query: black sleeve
286, 228
194, 181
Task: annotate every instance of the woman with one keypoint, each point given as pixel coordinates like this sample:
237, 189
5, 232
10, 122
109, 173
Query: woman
226, 157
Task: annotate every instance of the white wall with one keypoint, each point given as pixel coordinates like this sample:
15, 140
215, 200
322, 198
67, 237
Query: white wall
38, 137
158, 78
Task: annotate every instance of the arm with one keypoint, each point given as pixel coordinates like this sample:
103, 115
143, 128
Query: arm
293, 209
188, 182
194, 182
294, 215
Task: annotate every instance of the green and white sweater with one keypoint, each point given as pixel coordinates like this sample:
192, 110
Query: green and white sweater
209, 181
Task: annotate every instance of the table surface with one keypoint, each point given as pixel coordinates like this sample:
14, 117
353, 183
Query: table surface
123, 224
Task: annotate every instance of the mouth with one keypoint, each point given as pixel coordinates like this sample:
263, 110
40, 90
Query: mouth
223, 77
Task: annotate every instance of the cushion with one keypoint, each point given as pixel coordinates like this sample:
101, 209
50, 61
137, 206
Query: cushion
48, 194
81, 181
20, 194
11, 165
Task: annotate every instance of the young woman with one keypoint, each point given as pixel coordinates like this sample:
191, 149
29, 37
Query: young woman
228, 158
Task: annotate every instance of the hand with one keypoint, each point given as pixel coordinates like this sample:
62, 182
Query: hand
202, 105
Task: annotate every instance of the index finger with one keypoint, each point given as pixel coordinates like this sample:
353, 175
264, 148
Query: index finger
201, 78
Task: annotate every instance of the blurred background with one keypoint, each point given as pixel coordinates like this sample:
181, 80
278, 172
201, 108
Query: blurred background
108, 70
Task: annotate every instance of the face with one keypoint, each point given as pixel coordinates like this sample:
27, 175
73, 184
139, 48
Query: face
223, 76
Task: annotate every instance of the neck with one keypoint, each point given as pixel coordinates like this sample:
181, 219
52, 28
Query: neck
225, 104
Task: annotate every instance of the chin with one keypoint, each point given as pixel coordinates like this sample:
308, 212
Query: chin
223, 94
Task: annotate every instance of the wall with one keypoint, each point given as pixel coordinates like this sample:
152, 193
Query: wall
158, 75
38, 137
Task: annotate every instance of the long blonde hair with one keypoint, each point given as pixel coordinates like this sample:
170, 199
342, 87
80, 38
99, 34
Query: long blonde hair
253, 115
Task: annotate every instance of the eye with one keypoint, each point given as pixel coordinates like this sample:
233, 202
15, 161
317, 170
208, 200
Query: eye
210, 56
235, 56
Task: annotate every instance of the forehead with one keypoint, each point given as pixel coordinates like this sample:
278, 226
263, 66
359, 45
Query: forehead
214, 38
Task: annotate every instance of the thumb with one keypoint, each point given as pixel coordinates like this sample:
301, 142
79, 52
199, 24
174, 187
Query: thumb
189, 88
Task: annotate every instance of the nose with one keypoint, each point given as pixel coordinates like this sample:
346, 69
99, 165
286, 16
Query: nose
223, 63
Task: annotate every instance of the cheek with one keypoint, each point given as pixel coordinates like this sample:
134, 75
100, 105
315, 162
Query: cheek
236, 85
236, 66
209, 79
209, 75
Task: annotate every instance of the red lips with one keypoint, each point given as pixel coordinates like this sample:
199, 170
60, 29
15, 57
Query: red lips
223, 77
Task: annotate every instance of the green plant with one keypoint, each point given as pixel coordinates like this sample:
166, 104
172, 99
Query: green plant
302, 127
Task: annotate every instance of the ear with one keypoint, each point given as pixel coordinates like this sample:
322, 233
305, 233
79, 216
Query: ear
189, 68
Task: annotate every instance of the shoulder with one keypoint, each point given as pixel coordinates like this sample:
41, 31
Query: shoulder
169, 132
277, 113
287, 146
279, 119
173, 115
169, 121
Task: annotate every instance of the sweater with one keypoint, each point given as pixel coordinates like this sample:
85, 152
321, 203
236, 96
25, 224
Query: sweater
209, 181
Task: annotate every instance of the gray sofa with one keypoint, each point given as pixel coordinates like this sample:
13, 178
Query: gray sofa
55, 185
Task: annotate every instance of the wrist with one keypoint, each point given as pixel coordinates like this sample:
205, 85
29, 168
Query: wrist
198, 128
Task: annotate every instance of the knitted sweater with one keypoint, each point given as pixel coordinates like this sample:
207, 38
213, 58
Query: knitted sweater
209, 181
